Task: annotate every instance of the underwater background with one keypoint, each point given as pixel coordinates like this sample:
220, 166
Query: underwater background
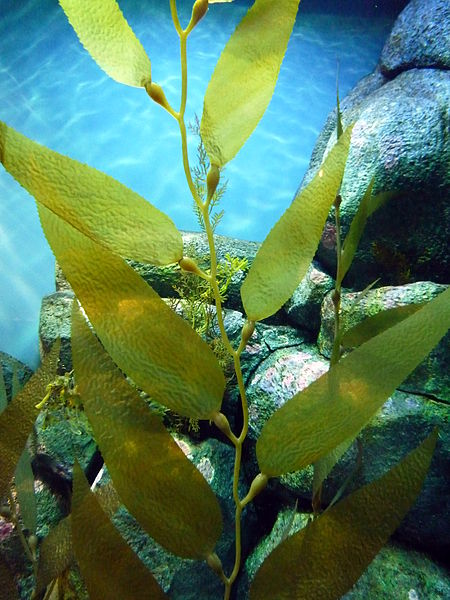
52, 91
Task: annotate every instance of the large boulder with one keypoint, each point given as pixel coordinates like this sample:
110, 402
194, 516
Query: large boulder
417, 36
401, 139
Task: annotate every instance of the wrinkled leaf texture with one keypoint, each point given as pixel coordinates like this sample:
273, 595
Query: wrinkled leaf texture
106, 35
157, 483
55, 554
338, 404
24, 483
326, 558
244, 79
109, 567
94, 203
144, 337
16, 421
372, 326
285, 255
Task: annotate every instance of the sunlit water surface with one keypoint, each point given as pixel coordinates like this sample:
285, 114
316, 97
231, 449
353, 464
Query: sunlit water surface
52, 91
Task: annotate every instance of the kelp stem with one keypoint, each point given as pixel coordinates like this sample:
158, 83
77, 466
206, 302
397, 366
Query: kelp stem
336, 352
203, 206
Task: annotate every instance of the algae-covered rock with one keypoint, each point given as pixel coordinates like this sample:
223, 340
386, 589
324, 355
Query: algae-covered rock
54, 322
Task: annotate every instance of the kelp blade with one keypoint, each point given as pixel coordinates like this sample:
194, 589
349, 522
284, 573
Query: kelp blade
24, 483
154, 479
55, 554
106, 35
375, 324
97, 205
3, 396
336, 406
109, 567
244, 78
18, 417
326, 558
145, 338
354, 234
285, 255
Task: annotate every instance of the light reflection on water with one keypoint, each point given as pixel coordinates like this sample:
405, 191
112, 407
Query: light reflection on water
54, 93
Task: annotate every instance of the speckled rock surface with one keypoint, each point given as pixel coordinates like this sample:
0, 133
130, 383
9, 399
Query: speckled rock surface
419, 38
401, 139
280, 376
432, 376
54, 322
303, 308
401, 136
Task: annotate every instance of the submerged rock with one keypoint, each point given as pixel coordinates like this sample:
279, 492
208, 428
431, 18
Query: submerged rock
419, 38
401, 138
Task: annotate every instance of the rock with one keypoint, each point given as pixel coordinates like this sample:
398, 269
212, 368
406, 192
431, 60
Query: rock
420, 38
11, 369
400, 139
401, 132
54, 322
303, 308
432, 376
277, 378
398, 572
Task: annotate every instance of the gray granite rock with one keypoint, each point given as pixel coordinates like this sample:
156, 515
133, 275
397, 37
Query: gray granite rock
54, 322
303, 308
420, 38
401, 139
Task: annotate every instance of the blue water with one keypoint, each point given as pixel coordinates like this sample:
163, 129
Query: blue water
53, 92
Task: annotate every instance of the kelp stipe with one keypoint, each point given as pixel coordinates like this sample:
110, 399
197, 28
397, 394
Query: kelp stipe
93, 223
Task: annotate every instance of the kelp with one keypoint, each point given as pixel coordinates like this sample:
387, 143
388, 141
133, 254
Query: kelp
16, 421
325, 559
124, 335
129, 578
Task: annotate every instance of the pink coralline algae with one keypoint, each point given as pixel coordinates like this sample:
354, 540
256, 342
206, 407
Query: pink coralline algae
6, 528
289, 375
328, 239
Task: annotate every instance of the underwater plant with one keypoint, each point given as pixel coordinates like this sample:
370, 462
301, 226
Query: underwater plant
93, 224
